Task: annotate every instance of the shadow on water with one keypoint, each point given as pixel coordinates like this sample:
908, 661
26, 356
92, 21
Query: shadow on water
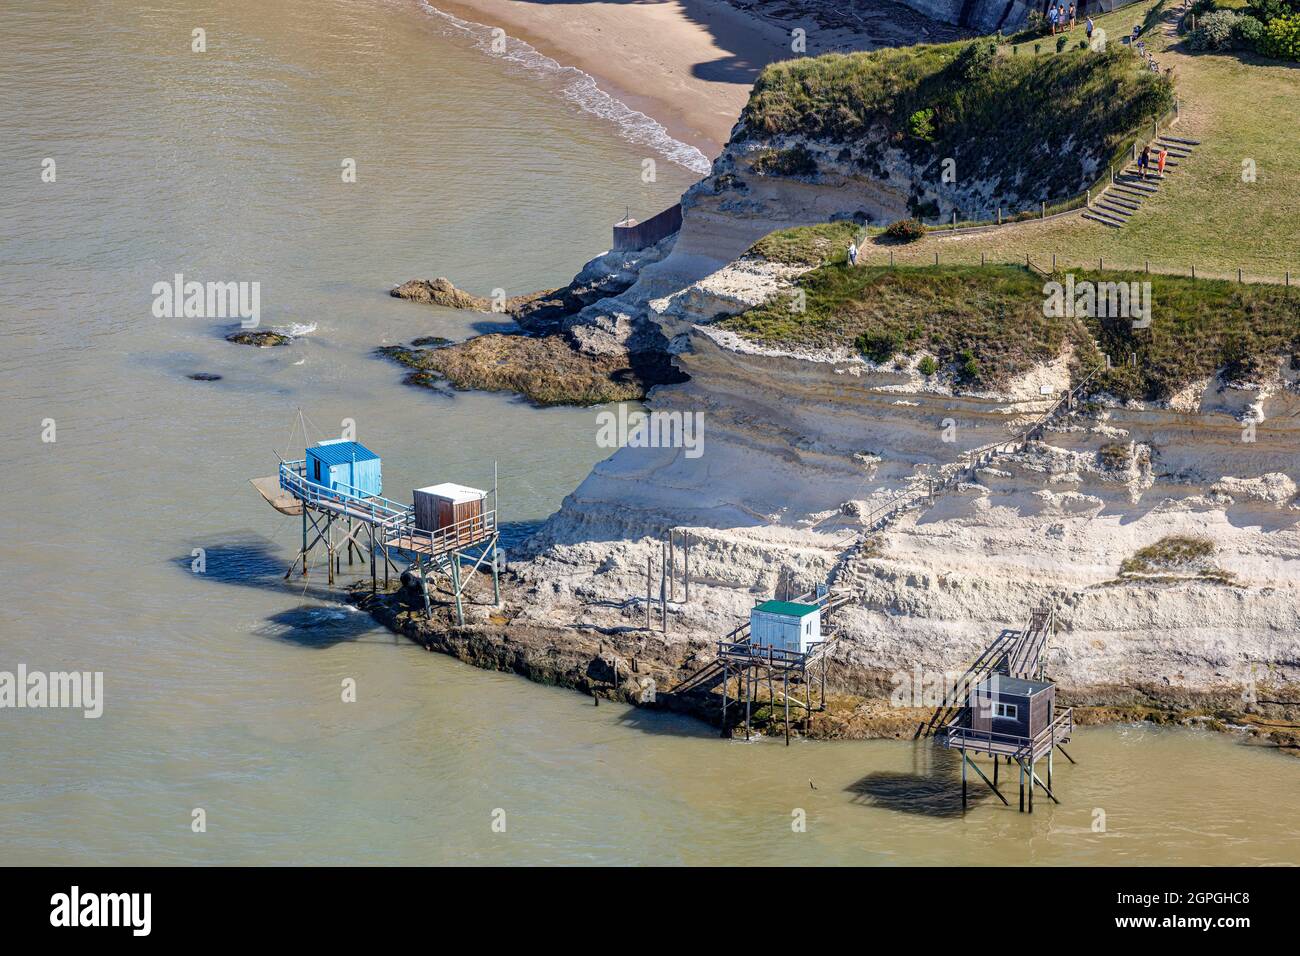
932, 788
252, 561
315, 625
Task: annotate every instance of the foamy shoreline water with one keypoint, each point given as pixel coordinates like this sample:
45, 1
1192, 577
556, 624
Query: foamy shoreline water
579, 88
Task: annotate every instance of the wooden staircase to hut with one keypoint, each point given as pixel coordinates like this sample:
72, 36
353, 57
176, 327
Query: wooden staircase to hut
1013, 654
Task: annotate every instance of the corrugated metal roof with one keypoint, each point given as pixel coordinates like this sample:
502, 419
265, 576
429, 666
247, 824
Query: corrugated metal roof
343, 452
1014, 686
788, 608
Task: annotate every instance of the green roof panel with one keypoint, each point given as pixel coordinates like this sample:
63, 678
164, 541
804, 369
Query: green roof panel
787, 608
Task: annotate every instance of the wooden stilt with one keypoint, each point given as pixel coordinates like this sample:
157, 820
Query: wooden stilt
748, 694
496, 574
1065, 754
726, 680
1046, 789
663, 588
1022, 784
785, 693
455, 584
672, 566
991, 784
329, 547
686, 563
374, 572
1031, 784
649, 561
964, 762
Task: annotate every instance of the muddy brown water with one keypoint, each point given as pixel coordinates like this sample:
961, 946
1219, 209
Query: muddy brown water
223, 689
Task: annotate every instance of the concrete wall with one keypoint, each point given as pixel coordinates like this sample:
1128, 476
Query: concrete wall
639, 235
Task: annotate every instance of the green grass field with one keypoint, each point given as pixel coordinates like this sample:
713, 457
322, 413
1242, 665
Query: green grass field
1242, 108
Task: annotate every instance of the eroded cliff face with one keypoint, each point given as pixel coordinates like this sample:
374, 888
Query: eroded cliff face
798, 448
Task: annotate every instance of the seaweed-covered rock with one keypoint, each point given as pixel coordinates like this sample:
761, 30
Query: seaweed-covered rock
262, 338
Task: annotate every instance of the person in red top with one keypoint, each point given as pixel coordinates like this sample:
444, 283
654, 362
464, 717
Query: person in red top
1160, 161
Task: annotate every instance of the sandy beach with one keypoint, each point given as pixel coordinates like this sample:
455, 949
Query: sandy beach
689, 64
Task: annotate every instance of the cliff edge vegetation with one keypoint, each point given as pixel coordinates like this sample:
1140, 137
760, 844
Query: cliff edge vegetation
984, 326
1038, 126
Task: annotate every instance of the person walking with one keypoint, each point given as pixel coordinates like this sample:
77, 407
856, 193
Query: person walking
1073, 14
1087, 26
853, 253
1051, 18
1160, 161
1144, 162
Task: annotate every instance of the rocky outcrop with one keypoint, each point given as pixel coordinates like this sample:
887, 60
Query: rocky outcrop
799, 448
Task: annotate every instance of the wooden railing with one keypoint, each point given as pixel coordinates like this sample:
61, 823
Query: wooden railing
452, 537
1058, 731
343, 498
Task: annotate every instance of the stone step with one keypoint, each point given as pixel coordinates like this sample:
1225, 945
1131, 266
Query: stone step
1136, 182
1105, 221
1120, 199
1185, 142
1107, 209
1128, 192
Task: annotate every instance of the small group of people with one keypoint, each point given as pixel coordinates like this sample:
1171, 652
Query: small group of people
1145, 160
1062, 20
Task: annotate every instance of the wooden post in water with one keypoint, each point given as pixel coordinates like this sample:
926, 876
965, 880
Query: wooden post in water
329, 547
648, 562
963, 778
785, 693
1031, 781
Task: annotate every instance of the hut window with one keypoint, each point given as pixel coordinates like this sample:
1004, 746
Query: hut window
316, 464
1006, 710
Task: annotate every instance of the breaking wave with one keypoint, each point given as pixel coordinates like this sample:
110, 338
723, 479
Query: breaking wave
582, 90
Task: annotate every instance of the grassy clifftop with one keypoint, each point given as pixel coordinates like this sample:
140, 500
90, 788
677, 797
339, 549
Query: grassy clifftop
987, 325
1053, 118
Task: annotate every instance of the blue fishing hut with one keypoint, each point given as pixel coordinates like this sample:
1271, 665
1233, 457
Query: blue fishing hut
345, 467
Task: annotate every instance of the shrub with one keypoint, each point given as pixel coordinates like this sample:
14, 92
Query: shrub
1115, 455
975, 60
1214, 31
797, 161
1061, 41
1281, 39
1202, 7
905, 230
1246, 33
1266, 10
880, 347
969, 369
1037, 24
921, 124
927, 366
1174, 552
